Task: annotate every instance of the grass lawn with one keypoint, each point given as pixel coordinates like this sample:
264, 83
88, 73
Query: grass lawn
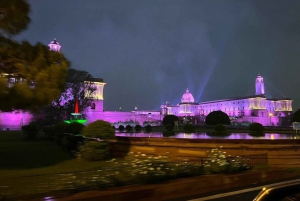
20, 157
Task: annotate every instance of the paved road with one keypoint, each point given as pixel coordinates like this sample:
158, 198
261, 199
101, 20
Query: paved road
238, 194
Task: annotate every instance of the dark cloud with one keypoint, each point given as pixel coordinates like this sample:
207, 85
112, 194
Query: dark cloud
149, 52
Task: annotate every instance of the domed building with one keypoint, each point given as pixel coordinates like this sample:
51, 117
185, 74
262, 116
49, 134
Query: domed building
187, 106
256, 108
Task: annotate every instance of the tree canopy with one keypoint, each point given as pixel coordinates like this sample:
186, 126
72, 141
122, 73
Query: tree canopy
31, 76
217, 117
296, 116
75, 88
14, 16
170, 119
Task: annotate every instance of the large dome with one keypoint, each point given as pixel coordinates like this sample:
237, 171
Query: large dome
187, 97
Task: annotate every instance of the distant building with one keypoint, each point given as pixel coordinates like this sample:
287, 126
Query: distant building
256, 108
243, 110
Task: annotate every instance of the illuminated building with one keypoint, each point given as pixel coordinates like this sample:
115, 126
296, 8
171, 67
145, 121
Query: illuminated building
242, 110
256, 108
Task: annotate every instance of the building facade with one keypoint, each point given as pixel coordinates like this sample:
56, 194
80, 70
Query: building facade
256, 108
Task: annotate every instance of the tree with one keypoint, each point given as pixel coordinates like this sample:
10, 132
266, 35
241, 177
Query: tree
217, 117
170, 119
14, 16
296, 116
75, 88
30, 76
99, 129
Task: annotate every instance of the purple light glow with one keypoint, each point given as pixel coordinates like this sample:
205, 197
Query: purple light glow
203, 135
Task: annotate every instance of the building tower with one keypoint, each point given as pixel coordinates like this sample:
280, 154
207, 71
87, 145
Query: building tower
97, 95
54, 46
259, 85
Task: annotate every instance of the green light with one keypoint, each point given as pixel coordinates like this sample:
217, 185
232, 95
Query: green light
81, 121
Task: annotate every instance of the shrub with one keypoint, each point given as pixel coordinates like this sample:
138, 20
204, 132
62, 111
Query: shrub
121, 127
189, 127
74, 128
168, 133
30, 131
137, 127
170, 119
148, 127
94, 151
256, 127
220, 128
99, 129
71, 142
128, 128
169, 127
217, 117
60, 127
219, 163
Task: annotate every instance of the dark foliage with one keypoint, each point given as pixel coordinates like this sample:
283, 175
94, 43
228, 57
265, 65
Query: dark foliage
71, 142
217, 117
14, 16
30, 131
94, 151
189, 127
169, 127
137, 127
220, 128
256, 127
296, 116
168, 133
128, 128
75, 128
99, 129
148, 128
76, 88
121, 128
39, 74
170, 119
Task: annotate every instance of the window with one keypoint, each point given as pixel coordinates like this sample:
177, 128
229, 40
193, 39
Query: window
93, 106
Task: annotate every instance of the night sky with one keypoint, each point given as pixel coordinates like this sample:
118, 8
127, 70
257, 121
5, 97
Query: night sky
150, 51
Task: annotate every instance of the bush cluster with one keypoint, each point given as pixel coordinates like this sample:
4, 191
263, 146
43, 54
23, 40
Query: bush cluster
218, 162
128, 128
94, 151
170, 119
30, 131
138, 127
138, 168
256, 127
148, 128
99, 129
189, 127
220, 128
169, 127
121, 128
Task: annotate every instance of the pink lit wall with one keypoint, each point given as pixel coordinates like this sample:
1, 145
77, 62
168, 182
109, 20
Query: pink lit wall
14, 120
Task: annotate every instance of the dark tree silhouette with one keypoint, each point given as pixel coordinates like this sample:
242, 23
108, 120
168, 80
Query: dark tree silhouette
217, 117
14, 16
169, 119
296, 116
